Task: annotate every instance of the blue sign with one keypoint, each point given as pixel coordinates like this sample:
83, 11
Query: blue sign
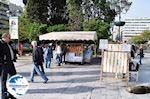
17, 85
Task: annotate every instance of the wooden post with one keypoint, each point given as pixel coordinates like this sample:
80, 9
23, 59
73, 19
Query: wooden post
102, 54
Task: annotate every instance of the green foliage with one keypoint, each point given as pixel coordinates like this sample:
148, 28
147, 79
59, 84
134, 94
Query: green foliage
30, 30
25, 2
138, 40
34, 30
100, 10
59, 27
141, 39
100, 27
27, 50
46, 11
57, 12
146, 35
75, 15
37, 11
22, 30
3, 31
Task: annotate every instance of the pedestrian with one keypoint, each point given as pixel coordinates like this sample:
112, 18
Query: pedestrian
64, 51
20, 49
58, 54
36, 63
48, 55
141, 54
6, 63
41, 52
133, 50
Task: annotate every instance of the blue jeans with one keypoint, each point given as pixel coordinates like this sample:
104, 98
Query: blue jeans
140, 61
36, 69
58, 59
47, 63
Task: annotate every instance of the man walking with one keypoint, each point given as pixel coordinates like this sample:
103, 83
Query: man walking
6, 63
37, 59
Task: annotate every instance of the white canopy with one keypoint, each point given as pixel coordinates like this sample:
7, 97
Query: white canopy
70, 35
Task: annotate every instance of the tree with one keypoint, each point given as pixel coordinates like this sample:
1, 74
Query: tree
22, 30
47, 11
37, 11
29, 31
137, 40
99, 9
59, 27
25, 2
102, 28
142, 38
104, 12
57, 12
75, 15
146, 35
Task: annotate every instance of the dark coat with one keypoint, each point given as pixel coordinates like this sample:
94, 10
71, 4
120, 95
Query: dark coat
141, 54
37, 55
5, 56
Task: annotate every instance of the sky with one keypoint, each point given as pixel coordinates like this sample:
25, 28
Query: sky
138, 9
17, 2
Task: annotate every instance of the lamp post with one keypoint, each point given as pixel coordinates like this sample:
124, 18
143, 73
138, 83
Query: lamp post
120, 6
13, 24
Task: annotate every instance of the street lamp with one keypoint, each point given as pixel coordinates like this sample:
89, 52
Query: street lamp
13, 24
120, 6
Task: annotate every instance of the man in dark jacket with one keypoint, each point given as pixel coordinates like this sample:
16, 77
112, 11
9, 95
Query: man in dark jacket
37, 60
6, 63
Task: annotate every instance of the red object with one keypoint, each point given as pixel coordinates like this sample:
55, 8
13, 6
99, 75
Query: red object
20, 49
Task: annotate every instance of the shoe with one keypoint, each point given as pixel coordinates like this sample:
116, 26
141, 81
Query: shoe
45, 81
30, 81
5, 95
123, 76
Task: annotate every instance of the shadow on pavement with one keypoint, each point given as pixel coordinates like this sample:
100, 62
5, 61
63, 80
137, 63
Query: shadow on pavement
65, 90
94, 72
79, 80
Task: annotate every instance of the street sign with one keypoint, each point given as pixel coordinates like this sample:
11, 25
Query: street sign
13, 27
17, 85
103, 44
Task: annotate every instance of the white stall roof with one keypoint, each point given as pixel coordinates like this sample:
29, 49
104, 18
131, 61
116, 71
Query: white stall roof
70, 35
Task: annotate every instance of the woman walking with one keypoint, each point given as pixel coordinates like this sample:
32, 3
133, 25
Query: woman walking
141, 54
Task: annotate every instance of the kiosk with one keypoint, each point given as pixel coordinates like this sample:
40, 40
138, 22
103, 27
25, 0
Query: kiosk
78, 49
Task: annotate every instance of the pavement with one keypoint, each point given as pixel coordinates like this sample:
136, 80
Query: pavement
74, 81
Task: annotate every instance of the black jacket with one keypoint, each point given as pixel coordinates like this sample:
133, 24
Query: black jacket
5, 55
37, 55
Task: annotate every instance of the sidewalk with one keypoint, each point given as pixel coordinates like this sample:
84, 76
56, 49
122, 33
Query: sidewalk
144, 72
73, 81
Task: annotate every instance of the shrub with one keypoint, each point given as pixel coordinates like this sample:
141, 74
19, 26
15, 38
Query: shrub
27, 50
59, 27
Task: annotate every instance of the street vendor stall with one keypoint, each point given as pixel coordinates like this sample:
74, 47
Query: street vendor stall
78, 50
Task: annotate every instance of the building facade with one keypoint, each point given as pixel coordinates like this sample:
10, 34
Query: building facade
3, 15
4, 18
134, 27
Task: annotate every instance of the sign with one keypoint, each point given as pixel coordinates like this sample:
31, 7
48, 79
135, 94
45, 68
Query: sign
13, 27
126, 47
103, 44
17, 85
133, 76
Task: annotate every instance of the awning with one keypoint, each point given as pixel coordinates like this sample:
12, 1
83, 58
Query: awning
70, 36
